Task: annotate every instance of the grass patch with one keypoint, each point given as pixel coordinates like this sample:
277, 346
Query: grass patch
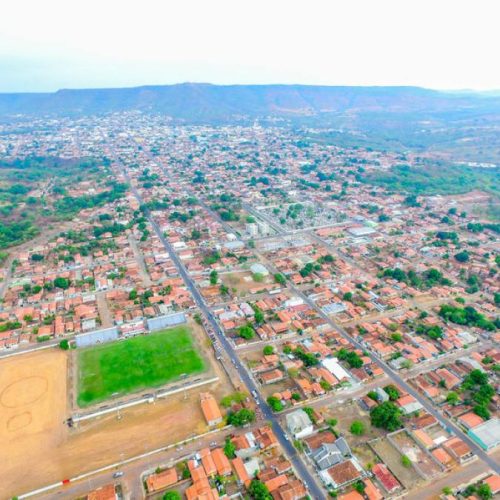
136, 364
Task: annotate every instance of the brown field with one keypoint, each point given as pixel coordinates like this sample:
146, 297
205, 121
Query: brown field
241, 282
39, 449
33, 406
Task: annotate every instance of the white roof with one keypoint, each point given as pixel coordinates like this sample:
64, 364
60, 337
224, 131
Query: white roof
259, 269
333, 366
298, 420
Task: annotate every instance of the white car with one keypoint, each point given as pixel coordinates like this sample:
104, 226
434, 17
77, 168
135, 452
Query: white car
118, 474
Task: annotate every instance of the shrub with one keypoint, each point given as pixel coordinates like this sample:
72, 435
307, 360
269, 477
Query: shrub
357, 428
64, 344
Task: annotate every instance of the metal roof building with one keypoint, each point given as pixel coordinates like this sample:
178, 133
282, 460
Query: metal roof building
166, 321
96, 337
487, 434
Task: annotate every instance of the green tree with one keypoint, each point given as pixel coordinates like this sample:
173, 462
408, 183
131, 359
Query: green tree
259, 491
258, 315
357, 428
213, 277
308, 358
359, 486
387, 416
246, 332
172, 495
268, 350
484, 491
62, 283
351, 357
241, 417
229, 448
310, 414
482, 411
64, 344
392, 392
274, 403
405, 461
280, 279
462, 256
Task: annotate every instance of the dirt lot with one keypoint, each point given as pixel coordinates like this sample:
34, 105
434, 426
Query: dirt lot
241, 283
33, 406
407, 476
410, 448
39, 449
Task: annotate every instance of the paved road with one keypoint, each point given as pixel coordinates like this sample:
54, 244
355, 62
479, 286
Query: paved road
429, 407
301, 468
488, 460
310, 482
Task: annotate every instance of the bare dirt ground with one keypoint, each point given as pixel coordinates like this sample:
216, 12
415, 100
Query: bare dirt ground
104, 312
39, 449
32, 411
407, 476
410, 448
241, 282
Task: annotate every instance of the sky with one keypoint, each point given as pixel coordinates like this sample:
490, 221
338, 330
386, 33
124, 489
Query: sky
444, 44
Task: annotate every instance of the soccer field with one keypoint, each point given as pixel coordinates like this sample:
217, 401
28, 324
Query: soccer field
135, 364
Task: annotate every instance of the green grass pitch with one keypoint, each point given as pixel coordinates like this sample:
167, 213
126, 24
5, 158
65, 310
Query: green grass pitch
135, 364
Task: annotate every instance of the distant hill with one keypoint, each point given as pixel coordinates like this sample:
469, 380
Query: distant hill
199, 102
455, 125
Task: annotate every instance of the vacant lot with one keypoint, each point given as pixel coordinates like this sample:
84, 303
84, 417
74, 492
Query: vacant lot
242, 283
411, 449
135, 364
407, 476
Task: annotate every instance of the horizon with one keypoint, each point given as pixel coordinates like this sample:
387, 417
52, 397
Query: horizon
367, 86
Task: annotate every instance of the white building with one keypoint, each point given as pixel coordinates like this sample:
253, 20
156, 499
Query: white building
252, 229
259, 269
299, 424
336, 369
